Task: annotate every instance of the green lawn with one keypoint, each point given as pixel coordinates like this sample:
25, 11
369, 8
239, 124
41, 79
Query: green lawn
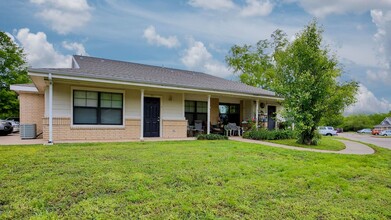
326, 143
194, 179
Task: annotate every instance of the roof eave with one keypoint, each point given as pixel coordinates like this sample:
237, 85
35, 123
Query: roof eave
44, 73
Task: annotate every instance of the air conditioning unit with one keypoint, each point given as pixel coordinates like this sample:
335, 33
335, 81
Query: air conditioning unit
28, 131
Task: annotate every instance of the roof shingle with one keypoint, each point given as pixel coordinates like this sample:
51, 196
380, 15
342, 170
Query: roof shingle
99, 68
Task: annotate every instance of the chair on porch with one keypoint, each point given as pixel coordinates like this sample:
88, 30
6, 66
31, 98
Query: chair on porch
198, 126
232, 129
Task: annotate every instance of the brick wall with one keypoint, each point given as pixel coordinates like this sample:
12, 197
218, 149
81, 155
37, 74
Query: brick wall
32, 109
214, 110
62, 130
174, 128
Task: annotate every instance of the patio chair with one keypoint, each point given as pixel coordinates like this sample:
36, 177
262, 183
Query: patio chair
234, 129
216, 129
198, 126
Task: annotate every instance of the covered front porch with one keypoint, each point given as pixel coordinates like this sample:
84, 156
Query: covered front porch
207, 114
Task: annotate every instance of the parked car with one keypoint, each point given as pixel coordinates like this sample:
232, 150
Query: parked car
385, 133
15, 123
365, 131
327, 130
376, 132
5, 127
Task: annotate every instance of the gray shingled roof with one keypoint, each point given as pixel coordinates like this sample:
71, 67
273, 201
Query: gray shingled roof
99, 68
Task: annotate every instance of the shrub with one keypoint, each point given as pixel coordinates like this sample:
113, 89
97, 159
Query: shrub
270, 135
211, 137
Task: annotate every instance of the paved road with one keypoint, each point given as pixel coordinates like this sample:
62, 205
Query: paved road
376, 140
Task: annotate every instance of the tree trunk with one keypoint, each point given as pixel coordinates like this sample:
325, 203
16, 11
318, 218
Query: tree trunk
307, 137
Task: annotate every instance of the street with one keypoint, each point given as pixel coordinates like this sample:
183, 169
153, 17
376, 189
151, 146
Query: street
384, 142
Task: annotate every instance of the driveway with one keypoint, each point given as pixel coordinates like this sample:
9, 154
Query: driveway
14, 139
376, 140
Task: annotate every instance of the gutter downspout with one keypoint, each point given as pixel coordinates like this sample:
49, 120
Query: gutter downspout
50, 141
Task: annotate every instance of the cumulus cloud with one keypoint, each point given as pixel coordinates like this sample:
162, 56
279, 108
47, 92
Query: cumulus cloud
382, 20
154, 38
78, 48
257, 8
324, 8
41, 53
197, 57
64, 16
214, 5
367, 102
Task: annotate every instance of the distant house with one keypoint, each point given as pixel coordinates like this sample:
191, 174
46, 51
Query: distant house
385, 124
100, 99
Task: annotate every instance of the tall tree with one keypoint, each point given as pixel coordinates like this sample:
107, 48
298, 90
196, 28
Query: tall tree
304, 73
13, 70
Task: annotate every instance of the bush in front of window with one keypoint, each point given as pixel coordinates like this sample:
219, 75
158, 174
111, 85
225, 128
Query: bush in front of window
211, 137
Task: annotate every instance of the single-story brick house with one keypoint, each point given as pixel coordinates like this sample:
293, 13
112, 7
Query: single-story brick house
100, 99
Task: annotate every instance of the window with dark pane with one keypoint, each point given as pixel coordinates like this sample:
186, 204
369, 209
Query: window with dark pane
196, 110
90, 107
229, 113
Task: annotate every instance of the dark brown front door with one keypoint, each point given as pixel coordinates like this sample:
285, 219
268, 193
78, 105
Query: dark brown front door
271, 116
151, 117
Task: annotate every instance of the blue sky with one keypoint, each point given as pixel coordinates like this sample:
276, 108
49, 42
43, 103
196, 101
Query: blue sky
197, 34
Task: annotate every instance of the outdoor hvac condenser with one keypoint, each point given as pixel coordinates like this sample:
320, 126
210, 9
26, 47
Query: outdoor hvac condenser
28, 131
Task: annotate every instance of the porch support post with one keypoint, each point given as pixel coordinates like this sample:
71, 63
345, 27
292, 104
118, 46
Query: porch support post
183, 105
50, 141
256, 112
142, 115
208, 122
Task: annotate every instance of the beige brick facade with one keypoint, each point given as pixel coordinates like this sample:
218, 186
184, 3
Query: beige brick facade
174, 128
63, 130
214, 110
32, 108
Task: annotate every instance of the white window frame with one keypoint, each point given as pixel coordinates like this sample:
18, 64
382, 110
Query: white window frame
96, 89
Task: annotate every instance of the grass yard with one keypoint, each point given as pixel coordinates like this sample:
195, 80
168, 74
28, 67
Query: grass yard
194, 179
326, 143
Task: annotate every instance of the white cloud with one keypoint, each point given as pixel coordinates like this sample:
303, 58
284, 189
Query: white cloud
78, 48
64, 16
324, 8
367, 102
382, 20
196, 54
154, 38
41, 53
257, 8
198, 57
212, 4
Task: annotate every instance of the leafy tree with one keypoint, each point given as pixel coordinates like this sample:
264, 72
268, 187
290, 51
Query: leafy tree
301, 71
13, 70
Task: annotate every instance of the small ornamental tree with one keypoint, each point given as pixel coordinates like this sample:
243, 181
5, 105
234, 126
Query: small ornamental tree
13, 70
303, 72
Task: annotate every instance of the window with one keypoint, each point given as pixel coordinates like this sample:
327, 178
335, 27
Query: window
195, 110
229, 113
101, 108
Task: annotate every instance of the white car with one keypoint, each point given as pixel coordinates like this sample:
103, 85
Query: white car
385, 133
365, 131
327, 130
